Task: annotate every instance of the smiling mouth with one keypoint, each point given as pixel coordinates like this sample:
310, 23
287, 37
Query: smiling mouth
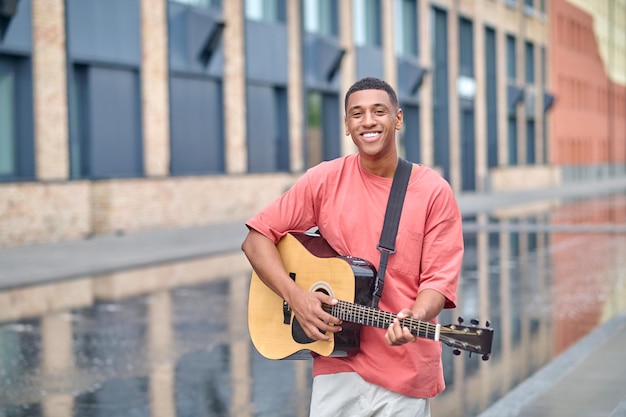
369, 136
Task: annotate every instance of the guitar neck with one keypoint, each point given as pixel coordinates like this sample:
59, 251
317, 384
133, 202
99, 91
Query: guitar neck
370, 316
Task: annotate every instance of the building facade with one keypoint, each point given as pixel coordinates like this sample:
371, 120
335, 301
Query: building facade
588, 124
125, 115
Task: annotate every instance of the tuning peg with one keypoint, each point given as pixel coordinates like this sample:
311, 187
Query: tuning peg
457, 352
460, 320
474, 322
488, 323
485, 357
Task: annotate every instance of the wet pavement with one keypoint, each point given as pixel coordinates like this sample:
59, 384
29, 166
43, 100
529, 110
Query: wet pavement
94, 339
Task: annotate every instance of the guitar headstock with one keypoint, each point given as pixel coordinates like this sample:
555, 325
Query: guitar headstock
472, 338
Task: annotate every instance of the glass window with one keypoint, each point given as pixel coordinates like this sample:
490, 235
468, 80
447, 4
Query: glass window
196, 142
528, 7
16, 119
511, 58
491, 96
105, 122
530, 142
315, 138
266, 10
367, 25
530, 63
406, 27
409, 135
323, 127
200, 3
268, 142
7, 127
281, 127
512, 139
320, 16
440, 93
77, 118
466, 47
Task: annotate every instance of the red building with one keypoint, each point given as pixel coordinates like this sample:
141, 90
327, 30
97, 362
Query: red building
588, 120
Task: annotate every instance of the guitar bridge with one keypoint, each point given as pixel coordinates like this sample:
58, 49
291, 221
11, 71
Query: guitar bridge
286, 313
286, 308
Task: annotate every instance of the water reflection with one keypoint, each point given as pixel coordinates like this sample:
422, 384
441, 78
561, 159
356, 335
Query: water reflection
172, 340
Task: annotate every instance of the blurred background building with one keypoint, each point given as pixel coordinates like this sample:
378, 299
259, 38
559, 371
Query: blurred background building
126, 115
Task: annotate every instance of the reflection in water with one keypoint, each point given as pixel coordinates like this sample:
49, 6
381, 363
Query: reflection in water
183, 349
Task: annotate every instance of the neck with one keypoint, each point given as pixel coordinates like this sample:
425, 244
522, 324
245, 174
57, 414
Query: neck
380, 166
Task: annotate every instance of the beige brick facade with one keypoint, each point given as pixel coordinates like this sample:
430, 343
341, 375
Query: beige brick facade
140, 204
348, 64
524, 178
297, 113
44, 212
154, 87
235, 87
50, 89
57, 211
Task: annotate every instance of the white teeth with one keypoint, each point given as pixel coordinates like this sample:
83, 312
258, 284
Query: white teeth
370, 135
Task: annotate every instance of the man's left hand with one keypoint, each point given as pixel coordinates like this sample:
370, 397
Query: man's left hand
396, 333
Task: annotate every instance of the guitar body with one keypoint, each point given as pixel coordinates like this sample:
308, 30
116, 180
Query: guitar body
314, 266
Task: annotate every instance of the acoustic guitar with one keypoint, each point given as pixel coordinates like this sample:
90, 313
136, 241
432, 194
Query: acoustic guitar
315, 266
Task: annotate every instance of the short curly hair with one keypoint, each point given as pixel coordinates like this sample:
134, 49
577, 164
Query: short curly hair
371, 83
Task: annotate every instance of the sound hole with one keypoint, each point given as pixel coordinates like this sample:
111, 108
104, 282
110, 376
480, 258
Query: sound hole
297, 332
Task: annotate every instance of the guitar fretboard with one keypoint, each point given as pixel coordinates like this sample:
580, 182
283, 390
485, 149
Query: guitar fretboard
370, 316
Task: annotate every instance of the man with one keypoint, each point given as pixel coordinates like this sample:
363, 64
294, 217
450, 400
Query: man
393, 374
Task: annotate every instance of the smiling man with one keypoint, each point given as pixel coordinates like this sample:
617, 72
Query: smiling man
393, 373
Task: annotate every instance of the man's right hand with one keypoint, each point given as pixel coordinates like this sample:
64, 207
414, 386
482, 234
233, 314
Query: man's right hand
315, 321
306, 305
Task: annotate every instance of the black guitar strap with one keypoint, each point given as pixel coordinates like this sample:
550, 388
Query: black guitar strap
387, 244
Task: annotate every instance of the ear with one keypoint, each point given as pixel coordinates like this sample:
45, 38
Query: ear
345, 125
399, 119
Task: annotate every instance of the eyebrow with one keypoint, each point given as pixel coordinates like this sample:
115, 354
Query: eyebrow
373, 105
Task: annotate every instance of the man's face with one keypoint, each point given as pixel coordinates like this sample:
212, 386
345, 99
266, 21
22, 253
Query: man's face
372, 120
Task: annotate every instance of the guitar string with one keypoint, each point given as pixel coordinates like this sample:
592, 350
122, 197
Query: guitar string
373, 317
362, 314
376, 316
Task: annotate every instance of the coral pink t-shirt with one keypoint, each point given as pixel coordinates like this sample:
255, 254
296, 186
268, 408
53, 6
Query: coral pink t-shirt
348, 205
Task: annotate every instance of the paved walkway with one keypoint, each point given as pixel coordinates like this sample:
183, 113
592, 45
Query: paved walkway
587, 380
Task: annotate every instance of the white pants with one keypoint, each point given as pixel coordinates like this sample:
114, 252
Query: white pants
348, 395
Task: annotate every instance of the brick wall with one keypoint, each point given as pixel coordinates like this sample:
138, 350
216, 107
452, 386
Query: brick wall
130, 205
44, 212
154, 87
56, 211
524, 178
50, 89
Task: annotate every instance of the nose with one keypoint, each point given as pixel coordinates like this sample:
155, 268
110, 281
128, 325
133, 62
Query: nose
368, 118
